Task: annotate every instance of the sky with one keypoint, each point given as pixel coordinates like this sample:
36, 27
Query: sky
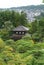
17, 3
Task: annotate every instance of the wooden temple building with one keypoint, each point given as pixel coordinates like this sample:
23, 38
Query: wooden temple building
19, 32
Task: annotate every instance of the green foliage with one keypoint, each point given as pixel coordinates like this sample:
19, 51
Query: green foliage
37, 29
10, 42
27, 51
2, 45
23, 45
12, 17
27, 37
21, 52
43, 1
4, 34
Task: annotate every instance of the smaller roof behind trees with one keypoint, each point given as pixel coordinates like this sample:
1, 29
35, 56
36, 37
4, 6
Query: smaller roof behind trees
21, 28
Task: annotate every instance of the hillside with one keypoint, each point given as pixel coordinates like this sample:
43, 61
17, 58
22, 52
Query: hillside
31, 11
29, 7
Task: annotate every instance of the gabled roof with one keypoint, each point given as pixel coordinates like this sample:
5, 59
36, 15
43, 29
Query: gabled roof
21, 28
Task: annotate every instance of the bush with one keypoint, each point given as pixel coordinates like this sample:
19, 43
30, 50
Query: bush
2, 44
4, 34
39, 46
7, 56
10, 42
23, 45
8, 48
36, 37
37, 54
27, 37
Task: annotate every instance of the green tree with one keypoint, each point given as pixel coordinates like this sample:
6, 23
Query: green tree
43, 1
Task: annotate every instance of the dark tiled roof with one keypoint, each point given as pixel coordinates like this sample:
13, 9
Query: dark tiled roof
21, 28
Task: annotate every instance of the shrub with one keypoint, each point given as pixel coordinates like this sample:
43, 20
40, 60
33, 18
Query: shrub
37, 54
8, 48
27, 37
4, 34
36, 37
2, 44
10, 42
23, 45
7, 56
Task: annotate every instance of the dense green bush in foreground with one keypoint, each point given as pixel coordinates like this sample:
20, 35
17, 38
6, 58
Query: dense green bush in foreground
21, 52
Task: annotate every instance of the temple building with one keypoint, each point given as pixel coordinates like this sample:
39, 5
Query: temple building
19, 32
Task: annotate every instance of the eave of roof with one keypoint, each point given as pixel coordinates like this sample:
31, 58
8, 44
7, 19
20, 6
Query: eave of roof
20, 28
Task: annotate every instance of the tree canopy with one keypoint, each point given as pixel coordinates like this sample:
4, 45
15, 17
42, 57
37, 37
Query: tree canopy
27, 51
